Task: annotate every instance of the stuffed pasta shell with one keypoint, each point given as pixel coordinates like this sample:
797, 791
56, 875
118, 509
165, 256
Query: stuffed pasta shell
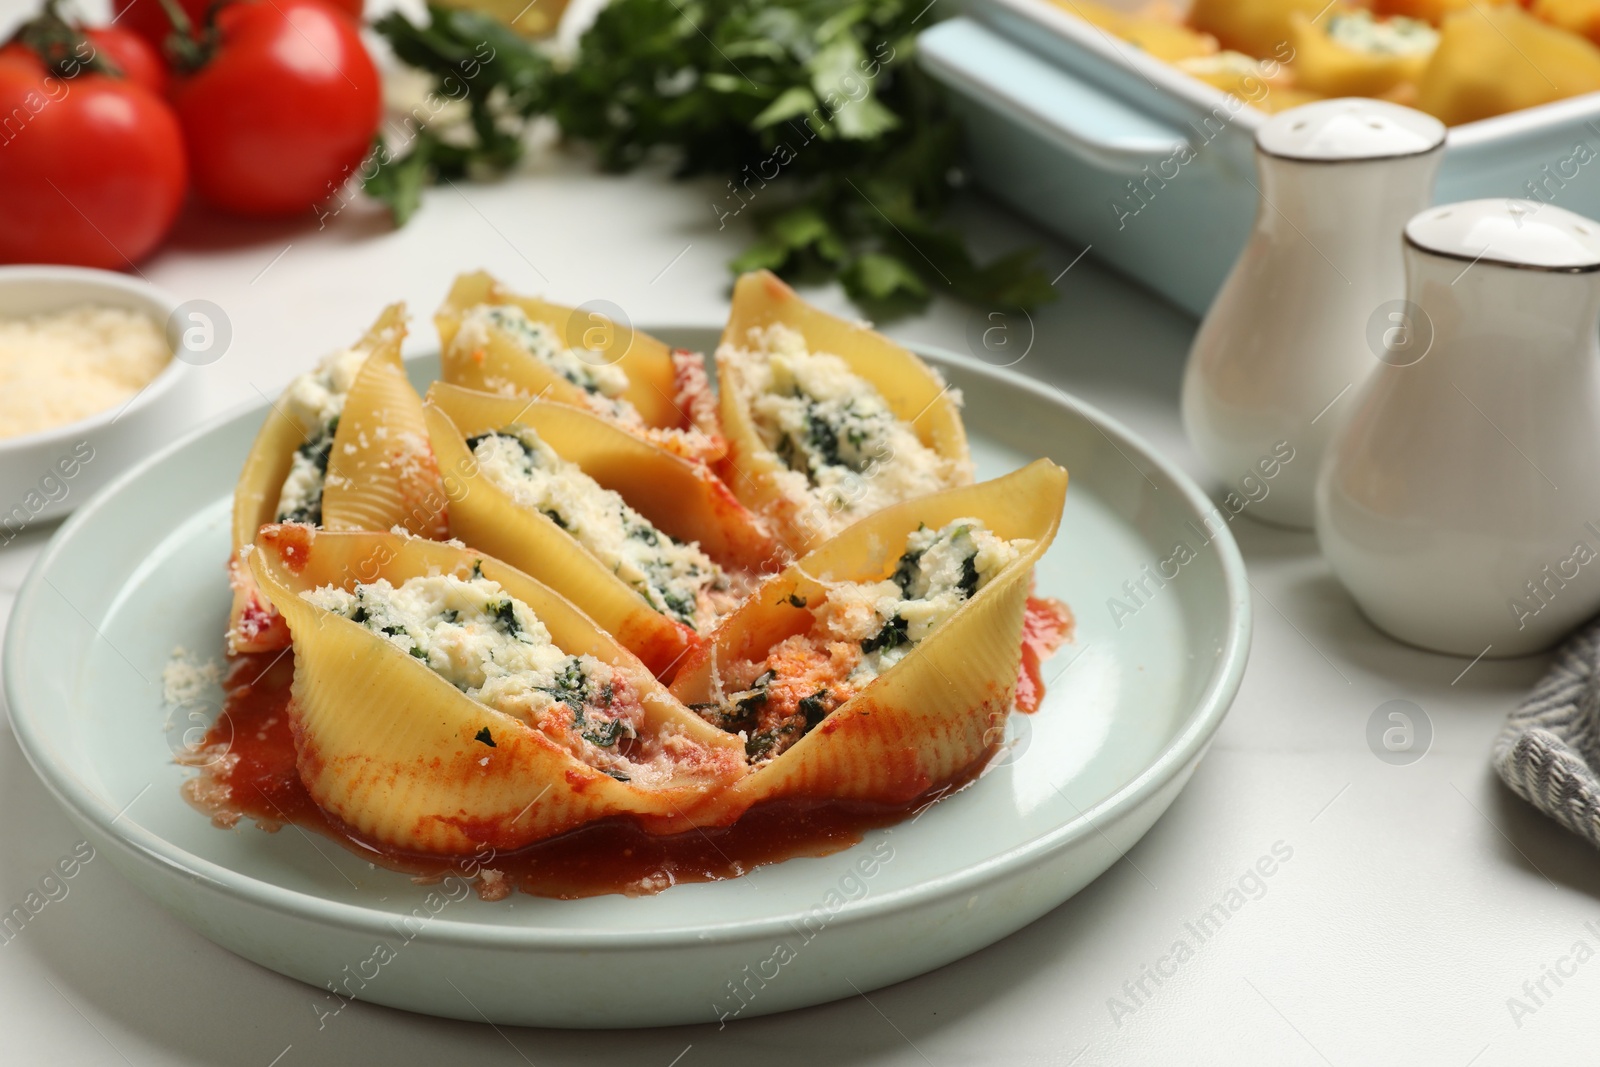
344, 447
828, 421
443, 700
878, 665
498, 342
652, 546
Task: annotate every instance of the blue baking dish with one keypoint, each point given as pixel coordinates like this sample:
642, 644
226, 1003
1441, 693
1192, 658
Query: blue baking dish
1082, 133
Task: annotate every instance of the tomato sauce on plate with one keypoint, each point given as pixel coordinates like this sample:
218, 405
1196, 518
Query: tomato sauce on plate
247, 769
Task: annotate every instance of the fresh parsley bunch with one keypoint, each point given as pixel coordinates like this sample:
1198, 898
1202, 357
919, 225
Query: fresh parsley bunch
827, 134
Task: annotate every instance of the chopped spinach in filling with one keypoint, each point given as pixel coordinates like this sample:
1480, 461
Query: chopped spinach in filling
939, 571
842, 443
671, 576
583, 369
314, 402
578, 690
737, 711
771, 726
892, 636
860, 630
301, 497
850, 434
490, 646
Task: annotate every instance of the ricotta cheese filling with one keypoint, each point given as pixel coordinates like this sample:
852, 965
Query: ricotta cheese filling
603, 382
495, 650
674, 578
314, 402
1396, 36
859, 631
840, 442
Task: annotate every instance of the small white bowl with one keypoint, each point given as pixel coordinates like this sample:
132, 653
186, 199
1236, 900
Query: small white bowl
45, 475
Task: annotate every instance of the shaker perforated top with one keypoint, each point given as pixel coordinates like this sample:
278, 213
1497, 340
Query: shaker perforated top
1509, 233
1348, 131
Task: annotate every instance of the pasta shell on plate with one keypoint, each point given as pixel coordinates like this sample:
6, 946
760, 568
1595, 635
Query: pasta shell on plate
382, 471
345, 447
443, 700
827, 420
495, 341
654, 547
880, 664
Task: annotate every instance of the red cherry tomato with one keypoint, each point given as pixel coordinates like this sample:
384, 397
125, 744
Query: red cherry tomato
148, 18
132, 55
53, 39
283, 110
92, 167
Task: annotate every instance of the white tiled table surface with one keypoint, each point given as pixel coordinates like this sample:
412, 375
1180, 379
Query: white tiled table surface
1418, 898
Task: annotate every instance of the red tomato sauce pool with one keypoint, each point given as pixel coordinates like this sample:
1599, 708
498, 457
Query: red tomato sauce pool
247, 770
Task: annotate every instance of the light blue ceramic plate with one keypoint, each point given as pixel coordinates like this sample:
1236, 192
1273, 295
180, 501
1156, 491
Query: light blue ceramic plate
1131, 707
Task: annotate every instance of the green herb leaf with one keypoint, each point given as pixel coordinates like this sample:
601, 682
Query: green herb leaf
813, 112
793, 102
766, 254
398, 182
878, 276
838, 79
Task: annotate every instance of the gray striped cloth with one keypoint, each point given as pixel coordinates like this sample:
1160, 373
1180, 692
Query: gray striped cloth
1549, 751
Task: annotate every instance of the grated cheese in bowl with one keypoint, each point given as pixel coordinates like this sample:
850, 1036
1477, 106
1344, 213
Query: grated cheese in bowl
60, 367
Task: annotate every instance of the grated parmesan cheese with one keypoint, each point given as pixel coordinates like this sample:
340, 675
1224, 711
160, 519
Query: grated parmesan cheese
64, 366
184, 680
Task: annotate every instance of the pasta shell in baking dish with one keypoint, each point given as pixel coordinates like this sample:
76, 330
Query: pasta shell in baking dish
655, 548
443, 700
826, 420
880, 664
492, 340
345, 446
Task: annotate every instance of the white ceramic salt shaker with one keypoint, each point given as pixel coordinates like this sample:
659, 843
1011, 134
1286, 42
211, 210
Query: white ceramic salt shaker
1285, 341
1460, 500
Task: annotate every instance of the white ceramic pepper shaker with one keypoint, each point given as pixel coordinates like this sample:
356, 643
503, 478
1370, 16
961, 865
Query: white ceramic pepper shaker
1286, 339
1460, 500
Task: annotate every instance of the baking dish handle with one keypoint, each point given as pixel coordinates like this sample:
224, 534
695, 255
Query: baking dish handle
973, 60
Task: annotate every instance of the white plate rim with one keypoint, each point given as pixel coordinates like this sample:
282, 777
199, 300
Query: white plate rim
1185, 747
